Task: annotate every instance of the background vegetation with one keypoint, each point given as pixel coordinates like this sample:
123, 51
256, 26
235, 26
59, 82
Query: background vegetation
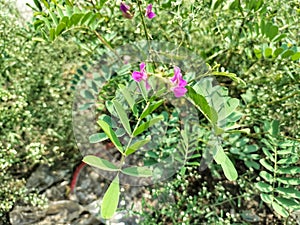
257, 40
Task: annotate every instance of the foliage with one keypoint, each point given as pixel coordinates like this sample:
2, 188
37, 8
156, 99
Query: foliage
266, 47
280, 181
257, 41
35, 105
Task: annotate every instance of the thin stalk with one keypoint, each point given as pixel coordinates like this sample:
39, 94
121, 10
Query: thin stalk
143, 21
131, 138
274, 174
228, 200
106, 44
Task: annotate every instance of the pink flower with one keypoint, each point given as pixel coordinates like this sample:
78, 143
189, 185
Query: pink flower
138, 76
149, 12
125, 10
178, 83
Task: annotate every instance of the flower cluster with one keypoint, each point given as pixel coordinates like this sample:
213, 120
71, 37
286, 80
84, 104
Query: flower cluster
141, 75
125, 9
149, 13
178, 83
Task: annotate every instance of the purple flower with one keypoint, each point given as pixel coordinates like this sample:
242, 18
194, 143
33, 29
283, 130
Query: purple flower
138, 76
178, 83
125, 10
149, 12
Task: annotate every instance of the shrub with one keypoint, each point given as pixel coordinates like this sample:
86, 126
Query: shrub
35, 106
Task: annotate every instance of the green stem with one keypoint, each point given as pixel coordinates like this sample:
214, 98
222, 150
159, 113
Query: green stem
106, 44
228, 200
143, 20
131, 138
274, 174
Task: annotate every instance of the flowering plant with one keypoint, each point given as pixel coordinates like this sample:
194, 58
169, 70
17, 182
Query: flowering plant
141, 103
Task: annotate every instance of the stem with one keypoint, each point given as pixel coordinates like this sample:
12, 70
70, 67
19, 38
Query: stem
284, 98
143, 21
237, 41
274, 174
131, 138
228, 200
106, 44
136, 126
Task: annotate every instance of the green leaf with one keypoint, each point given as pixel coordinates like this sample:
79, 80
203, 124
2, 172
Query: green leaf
271, 31
296, 56
137, 145
75, 18
268, 52
258, 4
111, 199
110, 107
194, 164
98, 137
228, 108
279, 37
45, 4
69, 10
100, 163
285, 151
250, 149
65, 20
87, 94
289, 180
265, 164
143, 90
219, 154
61, 26
288, 203
229, 169
264, 187
292, 170
129, 99
102, 2
37, 3
53, 17
278, 51
122, 115
257, 53
266, 176
146, 125
151, 108
268, 154
184, 136
289, 192
203, 105
107, 119
38, 39
274, 131
120, 132
86, 17
287, 53
216, 4
221, 158
111, 134
279, 209
267, 198
263, 26
92, 22
290, 160
52, 34
137, 171
252, 164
